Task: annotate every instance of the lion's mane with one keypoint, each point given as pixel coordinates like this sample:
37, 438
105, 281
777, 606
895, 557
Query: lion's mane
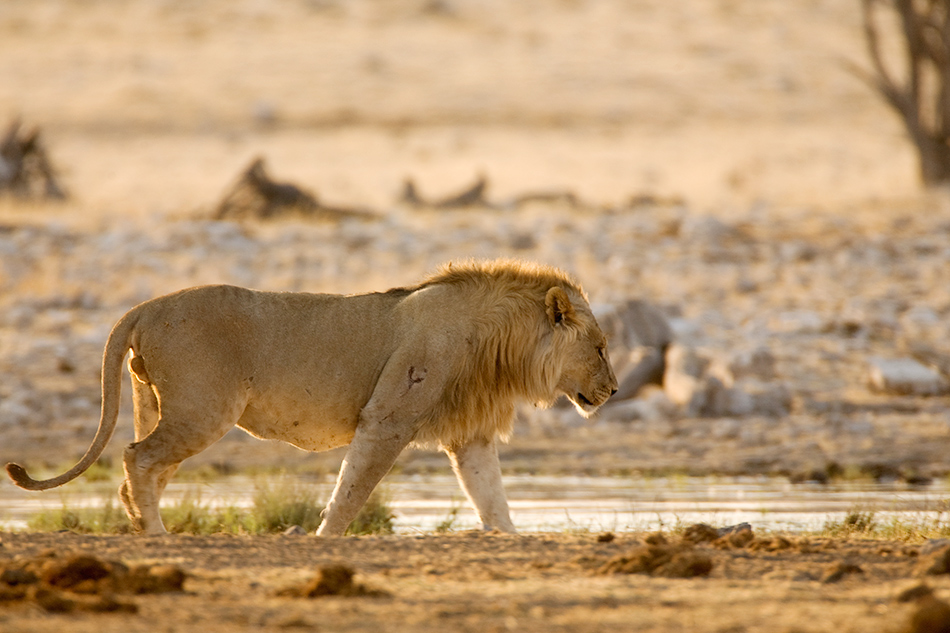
509, 355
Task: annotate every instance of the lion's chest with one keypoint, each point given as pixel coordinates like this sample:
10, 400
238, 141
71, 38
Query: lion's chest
300, 419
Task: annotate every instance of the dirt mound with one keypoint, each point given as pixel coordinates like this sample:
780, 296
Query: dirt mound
700, 533
332, 580
839, 571
66, 582
773, 544
915, 593
931, 616
657, 557
935, 562
737, 539
684, 558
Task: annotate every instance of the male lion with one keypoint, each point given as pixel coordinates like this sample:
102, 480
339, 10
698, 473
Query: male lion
442, 362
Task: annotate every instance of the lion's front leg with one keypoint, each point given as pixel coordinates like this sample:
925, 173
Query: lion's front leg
479, 472
372, 453
405, 393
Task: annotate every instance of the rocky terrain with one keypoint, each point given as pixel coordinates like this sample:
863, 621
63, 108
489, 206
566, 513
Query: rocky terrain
734, 177
780, 324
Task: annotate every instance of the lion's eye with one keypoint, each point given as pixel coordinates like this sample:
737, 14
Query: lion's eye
601, 351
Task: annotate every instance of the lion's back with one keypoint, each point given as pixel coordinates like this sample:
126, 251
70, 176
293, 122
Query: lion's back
272, 339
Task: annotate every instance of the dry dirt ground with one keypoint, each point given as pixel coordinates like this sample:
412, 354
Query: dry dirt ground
730, 169
471, 581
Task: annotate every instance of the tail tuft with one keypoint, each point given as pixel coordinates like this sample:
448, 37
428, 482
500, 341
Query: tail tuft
18, 475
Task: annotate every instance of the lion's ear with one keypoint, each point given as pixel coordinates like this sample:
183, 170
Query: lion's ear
558, 306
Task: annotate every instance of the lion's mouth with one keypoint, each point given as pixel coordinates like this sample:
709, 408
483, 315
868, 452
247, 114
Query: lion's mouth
582, 399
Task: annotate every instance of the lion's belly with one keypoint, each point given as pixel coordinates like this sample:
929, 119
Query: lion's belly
303, 424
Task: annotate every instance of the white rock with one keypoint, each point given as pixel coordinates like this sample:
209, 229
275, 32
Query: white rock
738, 403
862, 428
922, 322
686, 360
905, 376
714, 400
772, 399
14, 412
631, 326
707, 229
641, 367
921, 315
797, 322
686, 331
751, 436
19, 316
623, 411
682, 379
654, 407
726, 429
758, 363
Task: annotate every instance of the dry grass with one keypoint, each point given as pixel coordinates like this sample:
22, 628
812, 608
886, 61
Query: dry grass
864, 523
274, 508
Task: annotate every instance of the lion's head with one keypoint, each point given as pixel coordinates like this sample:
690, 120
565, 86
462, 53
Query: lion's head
585, 376
531, 337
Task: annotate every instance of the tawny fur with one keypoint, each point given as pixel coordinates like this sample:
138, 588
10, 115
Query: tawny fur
443, 362
509, 359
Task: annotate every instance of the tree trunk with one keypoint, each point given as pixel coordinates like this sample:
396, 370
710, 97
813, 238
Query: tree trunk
934, 161
921, 93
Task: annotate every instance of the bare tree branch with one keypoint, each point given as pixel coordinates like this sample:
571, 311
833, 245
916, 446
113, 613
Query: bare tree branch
921, 96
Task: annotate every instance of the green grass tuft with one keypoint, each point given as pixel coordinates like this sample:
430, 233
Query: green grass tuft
855, 523
376, 517
104, 519
859, 523
102, 470
448, 523
191, 516
279, 506
275, 507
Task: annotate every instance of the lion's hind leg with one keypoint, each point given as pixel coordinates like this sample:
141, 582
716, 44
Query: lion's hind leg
144, 399
126, 497
146, 417
149, 463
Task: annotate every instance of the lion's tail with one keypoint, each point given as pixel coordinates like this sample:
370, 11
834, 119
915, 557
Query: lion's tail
120, 340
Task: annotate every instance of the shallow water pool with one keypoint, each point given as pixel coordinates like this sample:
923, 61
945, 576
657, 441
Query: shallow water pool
558, 503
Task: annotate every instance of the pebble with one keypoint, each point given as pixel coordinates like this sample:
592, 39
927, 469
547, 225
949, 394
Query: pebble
905, 376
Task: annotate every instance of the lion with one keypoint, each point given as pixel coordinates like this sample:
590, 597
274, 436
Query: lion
444, 362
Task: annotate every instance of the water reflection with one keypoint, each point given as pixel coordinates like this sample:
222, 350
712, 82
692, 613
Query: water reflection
557, 503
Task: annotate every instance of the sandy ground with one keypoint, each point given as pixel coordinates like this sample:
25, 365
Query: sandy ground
731, 170
474, 581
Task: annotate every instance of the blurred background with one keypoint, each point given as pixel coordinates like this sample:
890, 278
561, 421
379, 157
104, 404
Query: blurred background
721, 161
152, 106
